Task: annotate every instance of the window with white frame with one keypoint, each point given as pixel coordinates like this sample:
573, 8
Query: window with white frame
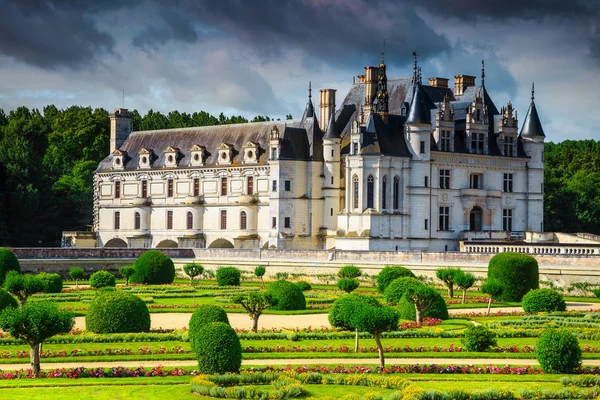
444, 179
508, 183
355, 187
444, 218
509, 144
507, 219
445, 141
476, 181
477, 140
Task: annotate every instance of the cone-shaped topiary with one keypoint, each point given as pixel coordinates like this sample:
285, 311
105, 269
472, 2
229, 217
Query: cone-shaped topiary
153, 267
287, 295
204, 315
117, 312
6, 300
218, 349
8, 262
518, 273
543, 300
390, 273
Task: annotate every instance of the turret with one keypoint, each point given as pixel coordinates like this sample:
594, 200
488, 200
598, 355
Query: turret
417, 127
331, 174
120, 128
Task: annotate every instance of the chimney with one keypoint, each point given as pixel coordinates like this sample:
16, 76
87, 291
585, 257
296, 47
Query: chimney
326, 107
120, 128
370, 84
461, 83
438, 82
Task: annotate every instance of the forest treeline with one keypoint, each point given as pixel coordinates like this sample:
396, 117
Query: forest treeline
47, 161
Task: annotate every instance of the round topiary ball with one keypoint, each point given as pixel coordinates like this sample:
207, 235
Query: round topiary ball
218, 349
101, 279
204, 315
558, 352
117, 312
228, 276
6, 300
288, 296
518, 273
8, 262
395, 290
348, 285
437, 309
390, 273
543, 300
153, 267
343, 308
53, 283
478, 338
304, 286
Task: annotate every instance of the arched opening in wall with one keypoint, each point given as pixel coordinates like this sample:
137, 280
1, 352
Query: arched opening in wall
116, 242
190, 220
243, 221
221, 244
476, 219
137, 221
355, 191
396, 193
167, 244
370, 190
384, 192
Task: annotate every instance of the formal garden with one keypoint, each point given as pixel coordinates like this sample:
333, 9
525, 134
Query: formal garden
146, 333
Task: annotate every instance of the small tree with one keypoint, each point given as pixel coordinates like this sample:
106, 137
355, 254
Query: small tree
23, 286
34, 323
260, 272
193, 270
255, 303
349, 271
126, 272
465, 281
342, 311
494, 289
348, 285
76, 273
421, 297
447, 275
375, 320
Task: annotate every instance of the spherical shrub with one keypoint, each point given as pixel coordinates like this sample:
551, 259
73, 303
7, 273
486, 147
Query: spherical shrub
437, 309
204, 315
518, 273
228, 276
53, 283
349, 271
389, 273
343, 309
8, 262
478, 338
218, 349
117, 312
304, 286
288, 296
153, 267
558, 352
347, 284
543, 300
100, 279
395, 290
6, 300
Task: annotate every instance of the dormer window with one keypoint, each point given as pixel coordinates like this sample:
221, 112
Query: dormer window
250, 153
198, 155
225, 154
120, 158
172, 156
146, 158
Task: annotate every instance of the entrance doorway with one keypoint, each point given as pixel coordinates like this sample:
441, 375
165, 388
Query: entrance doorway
475, 219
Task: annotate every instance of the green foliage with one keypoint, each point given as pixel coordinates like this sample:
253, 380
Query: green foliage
558, 352
287, 295
76, 273
204, 315
100, 279
597, 293
8, 262
228, 276
390, 273
343, 308
22, 286
447, 276
518, 273
153, 267
396, 289
494, 288
349, 271
543, 300
478, 338
375, 319
53, 283
432, 302
464, 280
127, 271
304, 286
255, 303
117, 312
218, 349
6, 300
348, 285
193, 270
260, 271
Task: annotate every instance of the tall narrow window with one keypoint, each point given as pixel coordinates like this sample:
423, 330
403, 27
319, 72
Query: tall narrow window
508, 183
396, 193
243, 221
190, 220
169, 187
476, 181
426, 181
117, 220
370, 190
196, 187
223, 186
509, 143
137, 221
274, 153
287, 222
477, 140
355, 148
169, 219
274, 186
144, 188
426, 224
355, 190
422, 147
287, 185
274, 222
507, 219
250, 185
117, 189
223, 219
384, 192
444, 218
445, 141
444, 179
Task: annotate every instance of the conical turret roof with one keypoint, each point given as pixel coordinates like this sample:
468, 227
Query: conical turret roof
332, 132
532, 126
418, 113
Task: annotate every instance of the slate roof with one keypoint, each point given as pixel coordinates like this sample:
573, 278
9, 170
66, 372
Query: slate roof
332, 132
419, 112
532, 126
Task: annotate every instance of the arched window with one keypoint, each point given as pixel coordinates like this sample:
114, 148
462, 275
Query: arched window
190, 220
243, 221
370, 189
384, 192
136, 220
396, 193
355, 188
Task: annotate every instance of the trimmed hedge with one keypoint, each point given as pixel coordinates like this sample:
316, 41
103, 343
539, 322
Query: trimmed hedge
117, 312
228, 276
153, 267
543, 300
100, 279
390, 273
518, 273
437, 309
218, 349
395, 290
53, 283
6, 300
558, 352
478, 338
304, 286
349, 271
348, 285
204, 315
8, 262
288, 296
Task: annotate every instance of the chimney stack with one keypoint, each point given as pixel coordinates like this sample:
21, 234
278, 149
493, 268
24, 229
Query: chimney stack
438, 82
461, 83
120, 128
326, 107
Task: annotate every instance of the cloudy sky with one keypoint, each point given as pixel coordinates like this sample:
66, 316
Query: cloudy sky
254, 57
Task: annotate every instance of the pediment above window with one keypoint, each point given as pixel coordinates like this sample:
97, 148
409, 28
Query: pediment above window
172, 156
146, 157
120, 159
225, 154
251, 150
199, 155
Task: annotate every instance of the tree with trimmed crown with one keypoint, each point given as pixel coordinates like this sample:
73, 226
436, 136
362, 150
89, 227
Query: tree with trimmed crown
76, 273
255, 303
193, 270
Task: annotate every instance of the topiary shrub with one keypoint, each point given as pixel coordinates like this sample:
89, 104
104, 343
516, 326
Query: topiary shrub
437, 309
53, 283
558, 352
395, 290
543, 300
117, 312
518, 273
228, 276
390, 273
100, 279
204, 315
218, 349
478, 338
348, 285
349, 271
6, 300
304, 286
343, 308
153, 267
287, 295
8, 262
